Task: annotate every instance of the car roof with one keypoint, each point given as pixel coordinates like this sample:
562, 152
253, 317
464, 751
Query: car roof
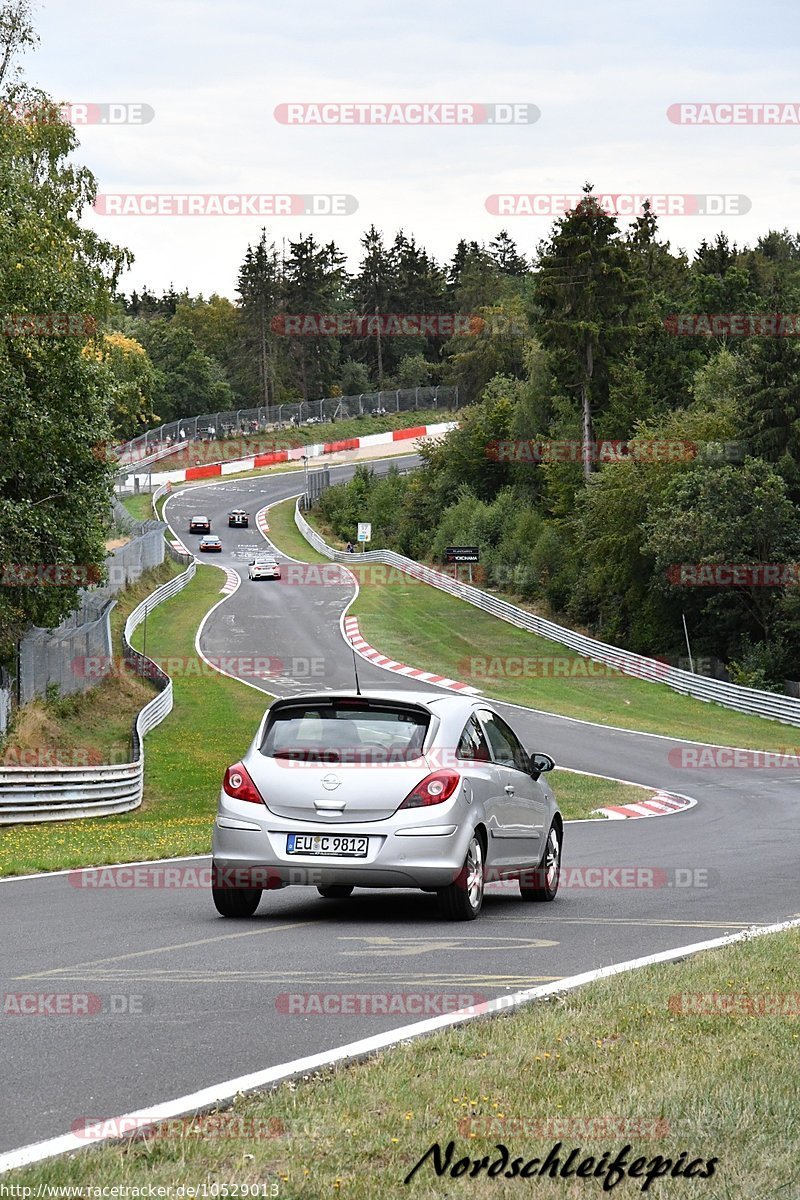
199, 517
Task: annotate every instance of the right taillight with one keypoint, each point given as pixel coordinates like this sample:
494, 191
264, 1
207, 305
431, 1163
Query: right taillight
238, 784
434, 789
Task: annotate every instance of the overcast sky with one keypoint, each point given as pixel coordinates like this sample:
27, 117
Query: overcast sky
602, 75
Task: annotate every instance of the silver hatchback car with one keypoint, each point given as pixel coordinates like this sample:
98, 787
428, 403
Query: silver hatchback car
385, 789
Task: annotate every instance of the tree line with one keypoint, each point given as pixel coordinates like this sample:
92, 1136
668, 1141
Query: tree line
638, 456
187, 354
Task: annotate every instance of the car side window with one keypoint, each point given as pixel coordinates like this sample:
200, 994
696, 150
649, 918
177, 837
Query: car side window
472, 745
507, 750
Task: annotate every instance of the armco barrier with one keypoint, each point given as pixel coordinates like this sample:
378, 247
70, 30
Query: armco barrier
774, 707
62, 793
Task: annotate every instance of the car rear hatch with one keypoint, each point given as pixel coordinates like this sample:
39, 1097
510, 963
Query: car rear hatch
340, 760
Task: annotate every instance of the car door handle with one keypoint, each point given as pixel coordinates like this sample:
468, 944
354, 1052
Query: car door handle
510, 789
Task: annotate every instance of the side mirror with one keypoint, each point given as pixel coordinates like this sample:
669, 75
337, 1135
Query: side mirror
540, 763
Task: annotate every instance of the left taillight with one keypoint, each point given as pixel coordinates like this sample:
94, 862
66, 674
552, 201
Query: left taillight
238, 784
434, 789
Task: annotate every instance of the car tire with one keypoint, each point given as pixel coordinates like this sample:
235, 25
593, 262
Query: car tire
335, 891
542, 884
462, 900
236, 902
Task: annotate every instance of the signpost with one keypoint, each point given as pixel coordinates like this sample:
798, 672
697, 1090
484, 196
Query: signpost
462, 554
364, 532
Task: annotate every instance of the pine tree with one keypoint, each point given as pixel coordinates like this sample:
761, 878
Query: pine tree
259, 289
585, 295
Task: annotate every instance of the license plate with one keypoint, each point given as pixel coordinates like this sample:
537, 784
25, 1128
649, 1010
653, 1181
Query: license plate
327, 843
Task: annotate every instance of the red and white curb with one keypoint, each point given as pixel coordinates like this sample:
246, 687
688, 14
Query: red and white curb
660, 804
252, 462
363, 648
262, 524
232, 581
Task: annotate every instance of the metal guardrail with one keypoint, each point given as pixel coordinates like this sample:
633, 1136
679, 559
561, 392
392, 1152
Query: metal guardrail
772, 705
33, 794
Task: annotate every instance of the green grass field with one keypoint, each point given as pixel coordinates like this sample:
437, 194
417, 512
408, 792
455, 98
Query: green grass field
619, 1063
421, 626
139, 506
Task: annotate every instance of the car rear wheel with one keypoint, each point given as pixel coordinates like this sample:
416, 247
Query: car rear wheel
335, 891
542, 884
462, 900
236, 902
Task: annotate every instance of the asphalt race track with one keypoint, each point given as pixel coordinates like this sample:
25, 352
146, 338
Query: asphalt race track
203, 1000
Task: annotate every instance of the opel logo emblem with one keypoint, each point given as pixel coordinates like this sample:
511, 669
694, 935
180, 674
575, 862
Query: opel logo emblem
330, 782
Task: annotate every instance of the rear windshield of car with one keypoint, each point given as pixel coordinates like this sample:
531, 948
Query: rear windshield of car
376, 734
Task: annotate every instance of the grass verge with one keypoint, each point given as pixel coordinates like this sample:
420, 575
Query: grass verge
90, 727
621, 1053
285, 535
419, 625
139, 506
578, 795
183, 763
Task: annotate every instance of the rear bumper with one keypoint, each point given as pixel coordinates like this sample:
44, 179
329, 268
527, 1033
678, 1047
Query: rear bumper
431, 856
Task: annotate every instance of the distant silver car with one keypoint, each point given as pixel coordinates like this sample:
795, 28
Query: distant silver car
210, 543
264, 568
385, 789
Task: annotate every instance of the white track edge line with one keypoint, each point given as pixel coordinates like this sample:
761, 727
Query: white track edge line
258, 1080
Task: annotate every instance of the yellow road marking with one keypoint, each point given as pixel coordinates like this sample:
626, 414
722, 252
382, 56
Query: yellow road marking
388, 947
223, 937
397, 978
